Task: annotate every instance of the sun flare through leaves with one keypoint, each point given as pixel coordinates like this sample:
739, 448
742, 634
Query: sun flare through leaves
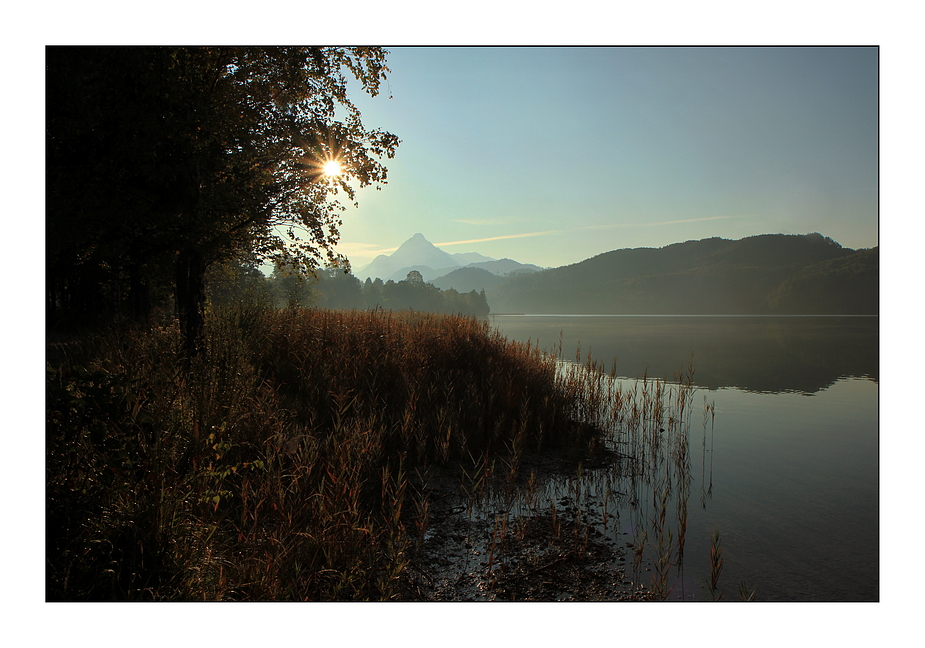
332, 168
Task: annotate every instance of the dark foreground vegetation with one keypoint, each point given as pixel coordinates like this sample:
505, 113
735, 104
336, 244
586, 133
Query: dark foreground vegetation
278, 466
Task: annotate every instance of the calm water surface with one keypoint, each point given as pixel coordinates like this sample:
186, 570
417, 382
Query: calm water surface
793, 455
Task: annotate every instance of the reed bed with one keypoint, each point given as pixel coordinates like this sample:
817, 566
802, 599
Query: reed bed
280, 464
641, 470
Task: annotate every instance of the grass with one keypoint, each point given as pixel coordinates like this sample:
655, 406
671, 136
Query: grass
290, 460
643, 474
278, 467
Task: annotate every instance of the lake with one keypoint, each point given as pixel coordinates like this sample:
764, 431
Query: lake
788, 473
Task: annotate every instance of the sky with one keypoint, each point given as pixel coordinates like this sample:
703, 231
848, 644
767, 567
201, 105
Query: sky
551, 155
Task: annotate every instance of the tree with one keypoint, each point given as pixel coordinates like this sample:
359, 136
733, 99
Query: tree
291, 289
340, 290
372, 291
162, 161
238, 283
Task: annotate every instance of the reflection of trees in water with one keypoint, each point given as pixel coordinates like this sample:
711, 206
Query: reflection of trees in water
765, 354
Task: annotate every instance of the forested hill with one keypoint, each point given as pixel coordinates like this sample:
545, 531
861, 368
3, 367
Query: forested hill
768, 274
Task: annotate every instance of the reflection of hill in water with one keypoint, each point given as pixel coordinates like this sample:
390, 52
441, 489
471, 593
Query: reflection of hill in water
766, 354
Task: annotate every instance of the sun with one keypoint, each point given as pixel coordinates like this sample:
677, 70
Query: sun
332, 168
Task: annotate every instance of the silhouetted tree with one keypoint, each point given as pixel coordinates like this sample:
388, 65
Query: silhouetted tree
290, 288
161, 158
238, 282
340, 290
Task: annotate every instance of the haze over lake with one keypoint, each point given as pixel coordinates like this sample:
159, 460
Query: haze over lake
794, 452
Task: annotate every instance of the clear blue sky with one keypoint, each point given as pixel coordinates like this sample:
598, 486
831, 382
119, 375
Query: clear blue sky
559, 154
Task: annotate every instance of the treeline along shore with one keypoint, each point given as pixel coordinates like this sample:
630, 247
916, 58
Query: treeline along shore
335, 288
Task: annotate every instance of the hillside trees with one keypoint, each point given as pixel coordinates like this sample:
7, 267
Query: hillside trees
162, 161
847, 284
756, 275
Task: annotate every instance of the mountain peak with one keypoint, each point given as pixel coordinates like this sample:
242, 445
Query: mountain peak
416, 242
416, 251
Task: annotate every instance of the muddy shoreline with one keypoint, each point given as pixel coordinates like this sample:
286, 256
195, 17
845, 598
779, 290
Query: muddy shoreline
510, 545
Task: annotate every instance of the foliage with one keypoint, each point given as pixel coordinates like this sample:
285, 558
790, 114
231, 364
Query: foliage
290, 289
237, 282
277, 466
336, 289
417, 295
164, 160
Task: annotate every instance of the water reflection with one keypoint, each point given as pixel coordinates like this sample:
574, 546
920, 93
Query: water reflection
789, 482
635, 496
792, 483
762, 354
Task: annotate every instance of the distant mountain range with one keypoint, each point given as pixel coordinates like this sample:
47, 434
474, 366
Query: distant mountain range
417, 253
768, 274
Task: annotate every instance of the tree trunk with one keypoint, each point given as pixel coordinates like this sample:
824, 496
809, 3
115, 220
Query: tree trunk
51, 297
139, 294
191, 297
